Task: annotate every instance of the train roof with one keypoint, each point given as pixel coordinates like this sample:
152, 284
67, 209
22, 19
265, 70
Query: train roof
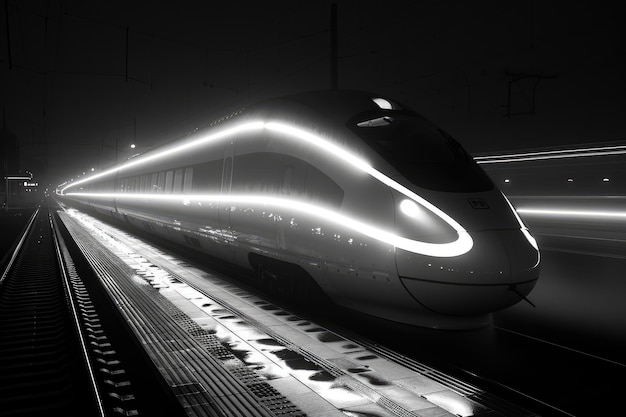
332, 105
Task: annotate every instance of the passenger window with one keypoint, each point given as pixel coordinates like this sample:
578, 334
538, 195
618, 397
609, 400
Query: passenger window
277, 174
161, 182
154, 183
178, 180
207, 177
287, 174
320, 187
169, 181
228, 167
188, 180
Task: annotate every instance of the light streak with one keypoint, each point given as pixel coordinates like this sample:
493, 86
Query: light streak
18, 178
558, 154
383, 103
450, 249
158, 155
523, 228
573, 213
358, 163
462, 245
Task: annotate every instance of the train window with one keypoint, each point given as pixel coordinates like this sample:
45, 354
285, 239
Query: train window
178, 180
188, 180
142, 183
207, 177
319, 186
227, 176
169, 181
154, 183
278, 174
257, 173
424, 154
161, 182
287, 175
106, 186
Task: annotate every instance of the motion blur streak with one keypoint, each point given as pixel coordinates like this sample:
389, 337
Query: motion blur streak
574, 213
561, 154
455, 248
464, 242
462, 245
147, 158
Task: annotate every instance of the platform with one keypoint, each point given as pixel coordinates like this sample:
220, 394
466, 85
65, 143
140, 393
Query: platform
219, 346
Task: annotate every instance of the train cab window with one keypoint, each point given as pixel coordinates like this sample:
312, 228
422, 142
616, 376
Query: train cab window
423, 153
169, 181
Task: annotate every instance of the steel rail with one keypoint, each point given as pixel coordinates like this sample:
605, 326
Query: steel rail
59, 245
19, 245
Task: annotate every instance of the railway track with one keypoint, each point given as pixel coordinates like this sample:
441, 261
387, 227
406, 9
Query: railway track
61, 349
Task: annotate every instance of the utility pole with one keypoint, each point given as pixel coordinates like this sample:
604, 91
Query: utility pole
6, 158
6, 17
333, 46
127, 30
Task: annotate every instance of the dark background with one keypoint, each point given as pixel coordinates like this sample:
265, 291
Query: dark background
80, 79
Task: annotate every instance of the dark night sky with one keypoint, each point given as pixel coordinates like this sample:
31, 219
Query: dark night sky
69, 93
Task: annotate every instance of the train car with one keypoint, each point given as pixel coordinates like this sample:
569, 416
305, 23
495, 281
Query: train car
347, 191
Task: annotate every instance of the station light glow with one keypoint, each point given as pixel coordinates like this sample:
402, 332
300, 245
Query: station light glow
461, 245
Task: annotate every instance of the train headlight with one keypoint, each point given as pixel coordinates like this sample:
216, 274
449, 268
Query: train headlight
414, 221
411, 209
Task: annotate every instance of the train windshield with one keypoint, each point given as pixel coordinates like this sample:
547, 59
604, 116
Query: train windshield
423, 153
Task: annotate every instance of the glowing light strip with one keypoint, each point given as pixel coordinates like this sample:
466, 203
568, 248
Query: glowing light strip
257, 125
523, 228
574, 213
18, 178
431, 249
460, 246
464, 238
542, 155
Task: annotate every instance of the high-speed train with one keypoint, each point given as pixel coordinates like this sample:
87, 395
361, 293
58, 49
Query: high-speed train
344, 191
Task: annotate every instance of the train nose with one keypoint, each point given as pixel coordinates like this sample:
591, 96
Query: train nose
500, 270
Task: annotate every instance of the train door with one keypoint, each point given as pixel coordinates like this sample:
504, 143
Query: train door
225, 206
